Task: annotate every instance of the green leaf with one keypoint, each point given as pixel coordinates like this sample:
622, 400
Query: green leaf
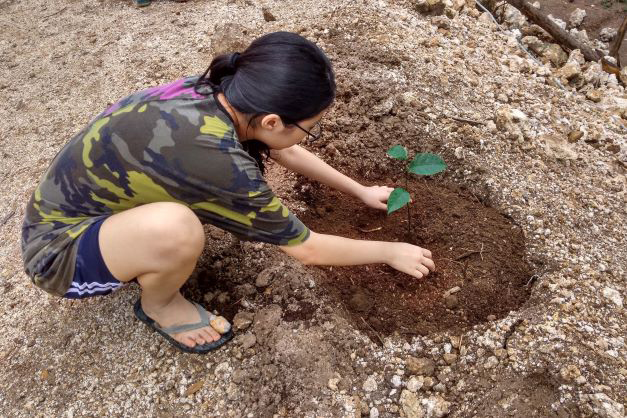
398, 152
426, 164
398, 198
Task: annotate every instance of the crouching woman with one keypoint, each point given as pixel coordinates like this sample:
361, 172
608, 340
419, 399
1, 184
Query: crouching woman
126, 197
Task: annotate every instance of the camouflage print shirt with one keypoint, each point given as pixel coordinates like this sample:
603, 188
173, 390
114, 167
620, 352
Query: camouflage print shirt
164, 144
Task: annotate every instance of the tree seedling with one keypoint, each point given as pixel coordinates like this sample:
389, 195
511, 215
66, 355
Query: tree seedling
423, 164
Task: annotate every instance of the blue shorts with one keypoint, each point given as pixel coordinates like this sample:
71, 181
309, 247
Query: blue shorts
91, 275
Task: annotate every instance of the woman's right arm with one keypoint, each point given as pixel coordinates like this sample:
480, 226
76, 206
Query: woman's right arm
330, 250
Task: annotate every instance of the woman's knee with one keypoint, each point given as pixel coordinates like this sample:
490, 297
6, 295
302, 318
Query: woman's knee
176, 231
150, 238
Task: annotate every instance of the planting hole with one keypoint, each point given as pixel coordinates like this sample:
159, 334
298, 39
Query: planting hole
479, 257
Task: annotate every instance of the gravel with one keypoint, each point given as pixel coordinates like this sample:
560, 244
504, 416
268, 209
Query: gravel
62, 63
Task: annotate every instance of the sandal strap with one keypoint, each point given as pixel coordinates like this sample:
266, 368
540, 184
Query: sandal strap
205, 317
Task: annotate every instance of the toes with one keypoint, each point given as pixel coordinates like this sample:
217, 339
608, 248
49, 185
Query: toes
189, 341
215, 335
209, 336
203, 336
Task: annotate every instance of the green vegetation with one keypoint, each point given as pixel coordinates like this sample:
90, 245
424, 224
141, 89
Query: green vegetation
423, 164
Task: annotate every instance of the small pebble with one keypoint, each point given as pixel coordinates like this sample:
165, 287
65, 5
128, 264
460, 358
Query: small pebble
370, 385
248, 340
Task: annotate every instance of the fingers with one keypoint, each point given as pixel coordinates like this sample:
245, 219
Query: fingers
412, 260
425, 264
424, 270
428, 263
383, 189
377, 197
415, 273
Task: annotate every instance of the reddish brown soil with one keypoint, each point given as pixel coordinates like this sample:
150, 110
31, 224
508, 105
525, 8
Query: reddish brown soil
474, 247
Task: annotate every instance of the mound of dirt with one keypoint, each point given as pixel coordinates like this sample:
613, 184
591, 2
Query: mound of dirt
478, 252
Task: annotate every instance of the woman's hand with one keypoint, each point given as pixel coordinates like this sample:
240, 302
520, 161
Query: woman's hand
375, 196
330, 250
410, 259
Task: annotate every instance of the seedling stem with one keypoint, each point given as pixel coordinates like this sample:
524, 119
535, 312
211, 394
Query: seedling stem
423, 164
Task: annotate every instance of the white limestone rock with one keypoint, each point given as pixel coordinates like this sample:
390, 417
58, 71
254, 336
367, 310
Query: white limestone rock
576, 18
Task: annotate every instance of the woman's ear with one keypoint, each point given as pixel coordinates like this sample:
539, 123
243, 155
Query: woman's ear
272, 123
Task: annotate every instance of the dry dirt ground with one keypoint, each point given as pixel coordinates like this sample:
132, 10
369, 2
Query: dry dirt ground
306, 345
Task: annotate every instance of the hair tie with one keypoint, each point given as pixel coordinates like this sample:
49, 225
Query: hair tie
234, 58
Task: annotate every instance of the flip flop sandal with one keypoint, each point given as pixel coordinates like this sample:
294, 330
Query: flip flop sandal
206, 319
141, 3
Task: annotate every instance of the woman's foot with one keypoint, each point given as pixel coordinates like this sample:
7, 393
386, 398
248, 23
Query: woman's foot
180, 311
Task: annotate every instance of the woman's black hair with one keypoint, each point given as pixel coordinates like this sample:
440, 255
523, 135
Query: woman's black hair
280, 73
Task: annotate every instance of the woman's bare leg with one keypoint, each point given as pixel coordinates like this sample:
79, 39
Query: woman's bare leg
159, 244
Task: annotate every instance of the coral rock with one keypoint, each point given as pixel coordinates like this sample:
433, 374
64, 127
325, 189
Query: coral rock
435, 407
608, 34
420, 366
410, 405
555, 55
576, 18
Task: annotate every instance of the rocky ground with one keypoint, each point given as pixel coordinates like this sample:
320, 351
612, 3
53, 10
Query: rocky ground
543, 146
599, 19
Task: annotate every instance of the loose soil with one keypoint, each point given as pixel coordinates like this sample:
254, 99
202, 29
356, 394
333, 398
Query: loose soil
475, 249
222, 282
529, 396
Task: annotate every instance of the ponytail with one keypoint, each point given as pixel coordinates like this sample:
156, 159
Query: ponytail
280, 73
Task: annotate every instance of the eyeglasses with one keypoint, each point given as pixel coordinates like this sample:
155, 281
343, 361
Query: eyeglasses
314, 134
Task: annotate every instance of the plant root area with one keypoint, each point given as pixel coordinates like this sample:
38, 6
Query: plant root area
478, 253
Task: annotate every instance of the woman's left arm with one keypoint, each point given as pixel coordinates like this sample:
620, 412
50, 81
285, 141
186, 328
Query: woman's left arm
301, 161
